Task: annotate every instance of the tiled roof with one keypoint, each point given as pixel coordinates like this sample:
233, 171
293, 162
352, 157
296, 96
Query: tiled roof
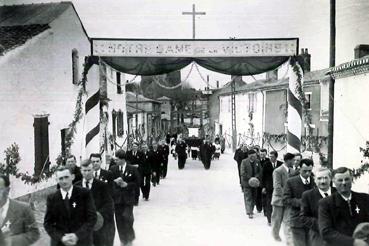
14, 36
354, 67
131, 98
31, 14
309, 78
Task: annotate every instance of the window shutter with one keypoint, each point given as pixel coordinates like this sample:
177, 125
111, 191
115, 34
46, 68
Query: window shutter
119, 85
41, 137
75, 67
120, 124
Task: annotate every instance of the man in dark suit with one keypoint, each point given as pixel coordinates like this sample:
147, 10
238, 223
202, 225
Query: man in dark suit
181, 152
309, 204
126, 180
207, 150
156, 160
280, 213
70, 213
292, 194
340, 213
145, 169
103, 202
71, 163
261, 196
133, 158
250, 167
239, 155
164, 149
267, 182
98, 172
17, 222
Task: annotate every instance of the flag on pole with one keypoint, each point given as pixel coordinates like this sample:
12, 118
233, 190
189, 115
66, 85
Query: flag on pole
294, 107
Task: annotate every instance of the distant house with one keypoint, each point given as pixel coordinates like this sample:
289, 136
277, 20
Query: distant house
261, 108
148, 113
351, 113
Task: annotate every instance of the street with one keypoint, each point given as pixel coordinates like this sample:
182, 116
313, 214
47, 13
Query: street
199, 207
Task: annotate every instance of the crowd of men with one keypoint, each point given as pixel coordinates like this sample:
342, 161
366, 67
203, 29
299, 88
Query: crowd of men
315, 209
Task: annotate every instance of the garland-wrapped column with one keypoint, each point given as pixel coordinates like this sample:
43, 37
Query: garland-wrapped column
294, 107
92, 112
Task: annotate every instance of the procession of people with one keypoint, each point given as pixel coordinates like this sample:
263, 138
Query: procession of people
315, 209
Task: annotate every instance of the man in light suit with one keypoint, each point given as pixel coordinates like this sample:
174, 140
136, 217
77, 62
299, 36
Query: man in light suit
292, 194
280, 213
250, 167
340, 213
17, 222
310, 204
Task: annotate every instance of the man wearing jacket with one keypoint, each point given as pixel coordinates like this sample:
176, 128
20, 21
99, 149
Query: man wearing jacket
293, 190
250, 167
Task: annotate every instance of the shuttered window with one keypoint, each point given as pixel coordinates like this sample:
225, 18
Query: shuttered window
120, 125
41, 137
75, 67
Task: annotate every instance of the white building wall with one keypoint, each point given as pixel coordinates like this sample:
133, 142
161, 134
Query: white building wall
37, 77
242, 116
351, 121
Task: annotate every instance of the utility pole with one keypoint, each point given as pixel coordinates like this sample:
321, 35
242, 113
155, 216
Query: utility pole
332, 63
233, 102
193, 13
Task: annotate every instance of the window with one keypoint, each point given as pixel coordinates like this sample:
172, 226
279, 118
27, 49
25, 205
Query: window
41, 137
114, 122
119, 85
308, 100
252, 102
75, 67
120, 125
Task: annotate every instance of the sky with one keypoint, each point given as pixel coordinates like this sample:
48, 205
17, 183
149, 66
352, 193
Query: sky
306, 19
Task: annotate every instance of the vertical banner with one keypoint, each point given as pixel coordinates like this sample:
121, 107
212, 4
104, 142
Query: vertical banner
92, 112
294, 107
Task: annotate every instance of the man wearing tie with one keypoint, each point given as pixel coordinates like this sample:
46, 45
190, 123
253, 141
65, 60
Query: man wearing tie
133, 158
267, 182
126, 180
340, 213
103, 203
293, 190
98, 172
70, 213
309, 204
17, 222
164, 149
280, 212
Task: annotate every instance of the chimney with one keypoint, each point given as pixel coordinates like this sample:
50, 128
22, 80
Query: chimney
305, 60
272, 75
236, 78
361, 50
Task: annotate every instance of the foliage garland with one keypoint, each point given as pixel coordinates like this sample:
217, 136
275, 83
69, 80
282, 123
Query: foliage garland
364, 168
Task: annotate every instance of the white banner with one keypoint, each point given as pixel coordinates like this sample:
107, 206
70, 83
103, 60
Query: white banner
194, 48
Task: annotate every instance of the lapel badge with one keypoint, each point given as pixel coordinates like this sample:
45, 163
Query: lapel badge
74, 204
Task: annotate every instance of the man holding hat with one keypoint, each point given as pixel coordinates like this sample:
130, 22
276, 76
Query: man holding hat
103, 236
125, 182
251, 175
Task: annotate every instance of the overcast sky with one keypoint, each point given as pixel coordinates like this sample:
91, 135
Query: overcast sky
306, 19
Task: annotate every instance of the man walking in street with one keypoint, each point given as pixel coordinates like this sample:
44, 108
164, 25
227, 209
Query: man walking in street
164, 149
70, 213
310, 204
340, 213
293, 190
126, 179
239, 155
145, 169
156, 160
103, 202
181, 153
280, 212
250, 168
